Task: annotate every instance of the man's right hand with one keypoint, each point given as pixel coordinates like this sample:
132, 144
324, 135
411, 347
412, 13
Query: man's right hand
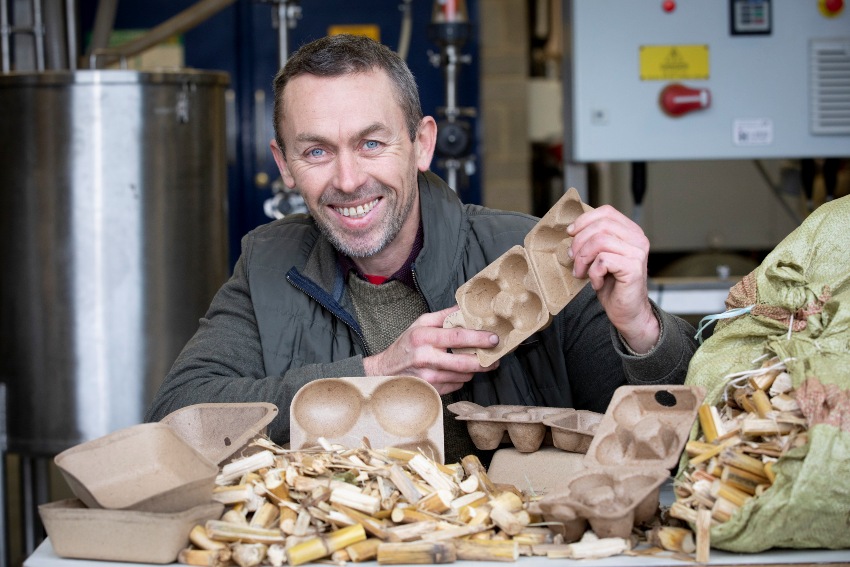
422, 351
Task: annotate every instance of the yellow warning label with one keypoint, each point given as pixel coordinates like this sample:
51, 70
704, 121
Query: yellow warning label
666, 62
369, 30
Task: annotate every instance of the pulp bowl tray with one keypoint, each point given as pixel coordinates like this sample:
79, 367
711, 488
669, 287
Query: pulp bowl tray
121, 535
390, 411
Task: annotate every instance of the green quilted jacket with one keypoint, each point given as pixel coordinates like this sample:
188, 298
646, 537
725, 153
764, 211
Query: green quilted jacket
284, 319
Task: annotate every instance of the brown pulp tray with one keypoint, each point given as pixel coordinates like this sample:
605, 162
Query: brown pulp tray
220, 430
146, 467
639, 439
611, 500
646, 426
121, 535
526, 427
517, 294
390, 411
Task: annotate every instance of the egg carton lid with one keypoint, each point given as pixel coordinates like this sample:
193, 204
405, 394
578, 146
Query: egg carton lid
645, 426
145, 467
220, 430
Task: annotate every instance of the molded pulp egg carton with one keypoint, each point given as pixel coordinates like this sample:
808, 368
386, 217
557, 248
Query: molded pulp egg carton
390, 411
637, 443
146, 467
527, 427
519, 292
220, 430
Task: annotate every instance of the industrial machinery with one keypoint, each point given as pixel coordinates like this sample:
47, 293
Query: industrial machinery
113, 231
450, 29
684, 79
706, 119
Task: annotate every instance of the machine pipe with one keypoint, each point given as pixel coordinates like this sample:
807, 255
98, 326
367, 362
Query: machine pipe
184, 21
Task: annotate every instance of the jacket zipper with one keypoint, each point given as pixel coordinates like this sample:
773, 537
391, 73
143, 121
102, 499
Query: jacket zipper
419, 289
332, 312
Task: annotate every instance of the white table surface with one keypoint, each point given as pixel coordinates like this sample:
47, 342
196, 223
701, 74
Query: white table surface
44, 556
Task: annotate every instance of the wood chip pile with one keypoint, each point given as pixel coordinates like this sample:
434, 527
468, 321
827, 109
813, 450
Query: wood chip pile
740, 439
390, 505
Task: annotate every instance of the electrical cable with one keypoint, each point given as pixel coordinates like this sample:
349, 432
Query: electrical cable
776, 193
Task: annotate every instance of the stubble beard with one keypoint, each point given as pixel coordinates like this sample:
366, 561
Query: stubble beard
377, 237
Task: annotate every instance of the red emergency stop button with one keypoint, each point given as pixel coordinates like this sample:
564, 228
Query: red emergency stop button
831, 8
677, 99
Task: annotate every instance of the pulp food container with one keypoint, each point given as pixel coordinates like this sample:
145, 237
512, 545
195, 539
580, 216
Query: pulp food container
221, 430
389, 411
638, 441
146, 467
121, 535
518, 293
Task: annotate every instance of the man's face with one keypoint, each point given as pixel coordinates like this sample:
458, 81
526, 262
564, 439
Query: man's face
349, 153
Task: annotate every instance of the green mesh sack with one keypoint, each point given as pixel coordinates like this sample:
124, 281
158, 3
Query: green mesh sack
796, 305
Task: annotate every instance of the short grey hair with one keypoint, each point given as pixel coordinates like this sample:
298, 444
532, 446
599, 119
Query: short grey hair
344, 54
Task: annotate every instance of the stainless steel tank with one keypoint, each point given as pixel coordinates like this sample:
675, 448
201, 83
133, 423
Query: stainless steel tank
113, 240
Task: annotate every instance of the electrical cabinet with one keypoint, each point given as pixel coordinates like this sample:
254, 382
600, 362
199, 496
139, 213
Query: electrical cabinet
696, 79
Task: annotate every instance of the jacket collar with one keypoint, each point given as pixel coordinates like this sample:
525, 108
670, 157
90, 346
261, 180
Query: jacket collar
442, 221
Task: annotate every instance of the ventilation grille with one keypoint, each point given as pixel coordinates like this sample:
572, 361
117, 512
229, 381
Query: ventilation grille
830, 86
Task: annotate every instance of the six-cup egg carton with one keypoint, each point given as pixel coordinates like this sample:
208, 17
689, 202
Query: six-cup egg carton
527, 427
519, 292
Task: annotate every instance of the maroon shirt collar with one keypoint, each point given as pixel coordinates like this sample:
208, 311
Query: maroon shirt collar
404, 274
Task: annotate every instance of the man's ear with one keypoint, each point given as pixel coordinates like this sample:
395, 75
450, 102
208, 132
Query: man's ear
426, 139
282, 166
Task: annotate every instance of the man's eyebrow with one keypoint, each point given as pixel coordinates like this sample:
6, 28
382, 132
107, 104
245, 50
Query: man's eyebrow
309, 138
371, 129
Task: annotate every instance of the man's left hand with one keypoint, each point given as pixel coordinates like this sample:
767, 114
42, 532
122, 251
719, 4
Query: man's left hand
612, 251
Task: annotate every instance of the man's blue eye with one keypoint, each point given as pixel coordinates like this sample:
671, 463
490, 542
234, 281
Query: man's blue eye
316, 152
371, 144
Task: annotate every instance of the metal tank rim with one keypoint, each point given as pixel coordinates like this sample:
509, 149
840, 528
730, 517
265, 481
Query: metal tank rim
114, 76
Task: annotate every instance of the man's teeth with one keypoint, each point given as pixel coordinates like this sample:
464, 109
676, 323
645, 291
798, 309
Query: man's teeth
357, 211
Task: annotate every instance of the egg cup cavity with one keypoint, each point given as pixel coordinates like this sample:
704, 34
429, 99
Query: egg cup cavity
400, 417
327, 408
574, 432
389, 411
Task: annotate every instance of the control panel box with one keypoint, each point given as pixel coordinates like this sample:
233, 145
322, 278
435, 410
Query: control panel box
689, 79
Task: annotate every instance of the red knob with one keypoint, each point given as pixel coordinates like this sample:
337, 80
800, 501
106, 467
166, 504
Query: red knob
677, 99
668, 6
834, 6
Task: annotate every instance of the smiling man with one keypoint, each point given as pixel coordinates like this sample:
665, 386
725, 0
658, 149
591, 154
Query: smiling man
362, 285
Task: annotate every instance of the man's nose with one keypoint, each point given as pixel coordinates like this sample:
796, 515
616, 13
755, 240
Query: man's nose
349, 172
